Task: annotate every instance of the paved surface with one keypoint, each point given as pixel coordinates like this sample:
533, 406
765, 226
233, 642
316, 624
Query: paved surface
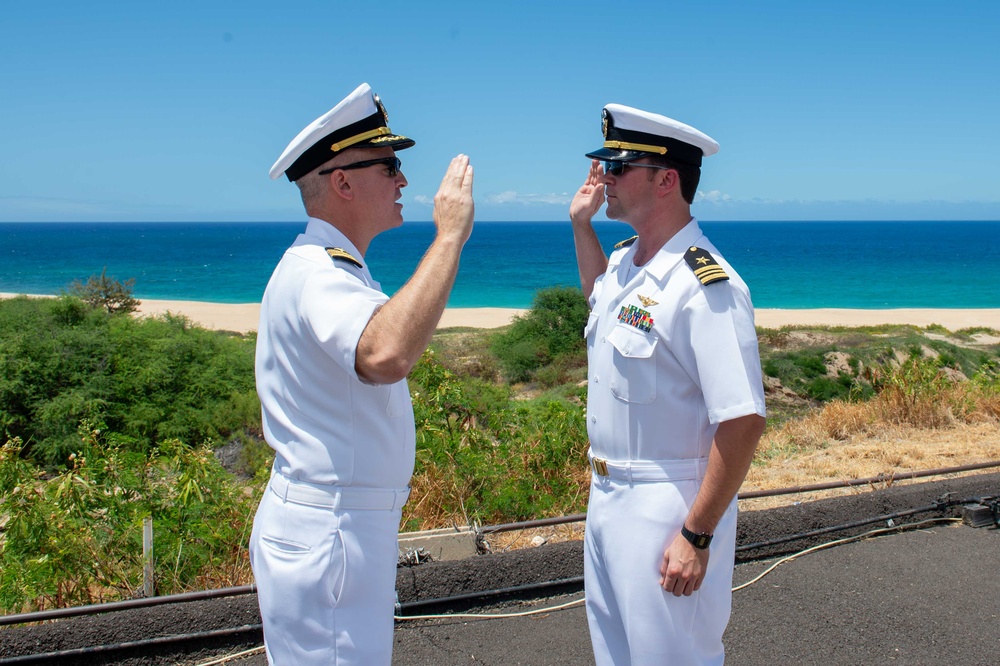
925, 597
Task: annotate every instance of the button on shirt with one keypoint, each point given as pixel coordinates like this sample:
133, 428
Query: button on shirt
659, 394
326, 425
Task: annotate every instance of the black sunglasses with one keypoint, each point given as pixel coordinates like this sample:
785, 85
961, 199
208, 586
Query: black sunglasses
617, 167
393, 164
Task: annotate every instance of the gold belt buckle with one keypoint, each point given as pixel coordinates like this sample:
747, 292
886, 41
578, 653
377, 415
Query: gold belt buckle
600, 466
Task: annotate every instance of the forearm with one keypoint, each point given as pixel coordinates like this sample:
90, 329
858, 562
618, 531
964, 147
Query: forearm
728, 463
399, 332
590, 257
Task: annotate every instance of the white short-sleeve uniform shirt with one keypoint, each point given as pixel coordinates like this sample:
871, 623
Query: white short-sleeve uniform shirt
326, 425
669, 359
658, 389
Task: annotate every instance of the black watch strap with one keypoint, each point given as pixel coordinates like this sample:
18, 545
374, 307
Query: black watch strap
699, 541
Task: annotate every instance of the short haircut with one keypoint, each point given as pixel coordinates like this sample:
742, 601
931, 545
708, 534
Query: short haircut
690, 175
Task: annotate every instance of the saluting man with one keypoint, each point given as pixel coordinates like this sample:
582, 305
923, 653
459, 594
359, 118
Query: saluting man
333, 352
675, 402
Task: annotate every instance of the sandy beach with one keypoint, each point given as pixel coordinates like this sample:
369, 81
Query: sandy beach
243, 317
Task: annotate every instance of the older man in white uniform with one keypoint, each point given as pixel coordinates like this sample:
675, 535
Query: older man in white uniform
675, 401
333, 353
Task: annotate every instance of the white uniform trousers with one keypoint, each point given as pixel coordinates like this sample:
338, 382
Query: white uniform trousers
324, 559
633, 621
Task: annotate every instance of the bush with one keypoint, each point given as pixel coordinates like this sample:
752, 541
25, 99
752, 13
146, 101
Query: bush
76, 537
106, 292
141, 381
551, 329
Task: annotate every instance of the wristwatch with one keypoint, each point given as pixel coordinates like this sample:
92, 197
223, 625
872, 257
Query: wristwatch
698, 540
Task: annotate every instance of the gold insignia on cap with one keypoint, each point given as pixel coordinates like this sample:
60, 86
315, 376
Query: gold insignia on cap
647, 301
341, 253
644, 147
378, 103
704, 265
358, 138
625, 243
604, 122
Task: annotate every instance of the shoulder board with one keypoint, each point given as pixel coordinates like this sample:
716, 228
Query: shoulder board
704, 265
339, 253
625, 243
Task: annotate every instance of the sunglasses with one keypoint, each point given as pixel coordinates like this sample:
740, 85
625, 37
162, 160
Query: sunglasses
392, 163
617, 167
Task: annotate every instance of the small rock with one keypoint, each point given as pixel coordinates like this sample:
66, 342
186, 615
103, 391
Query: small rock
538, 541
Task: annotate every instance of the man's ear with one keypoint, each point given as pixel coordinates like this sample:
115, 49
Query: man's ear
668, 180
341, 185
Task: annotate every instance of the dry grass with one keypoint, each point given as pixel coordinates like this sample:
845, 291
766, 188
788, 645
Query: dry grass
913, 424
909, 426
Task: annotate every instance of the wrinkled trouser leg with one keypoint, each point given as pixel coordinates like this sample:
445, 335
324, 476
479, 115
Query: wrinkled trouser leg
325, 582
632, 620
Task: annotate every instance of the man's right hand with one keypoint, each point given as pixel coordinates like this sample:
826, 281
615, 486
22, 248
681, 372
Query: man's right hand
589, 198
454, 208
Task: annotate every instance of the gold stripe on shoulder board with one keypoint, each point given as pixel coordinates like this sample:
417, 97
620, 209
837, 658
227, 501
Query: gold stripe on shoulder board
625, 243
340, 253
704, 265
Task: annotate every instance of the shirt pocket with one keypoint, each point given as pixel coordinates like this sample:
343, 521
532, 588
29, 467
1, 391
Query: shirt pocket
633, 372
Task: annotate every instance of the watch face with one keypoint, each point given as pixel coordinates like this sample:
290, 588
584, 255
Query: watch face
699, 541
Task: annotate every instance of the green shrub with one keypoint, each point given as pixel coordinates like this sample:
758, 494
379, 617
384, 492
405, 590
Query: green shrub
552, 328
106, 292
144, 380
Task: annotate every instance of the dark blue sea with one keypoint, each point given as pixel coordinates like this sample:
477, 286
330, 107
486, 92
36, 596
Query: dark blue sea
787, 264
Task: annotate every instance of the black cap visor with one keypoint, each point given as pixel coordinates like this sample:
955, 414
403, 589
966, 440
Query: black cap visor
619, 154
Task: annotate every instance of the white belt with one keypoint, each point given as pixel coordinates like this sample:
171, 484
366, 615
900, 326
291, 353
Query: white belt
336, 497
648, 470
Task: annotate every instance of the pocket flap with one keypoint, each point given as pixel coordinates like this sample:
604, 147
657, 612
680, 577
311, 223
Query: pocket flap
632, 343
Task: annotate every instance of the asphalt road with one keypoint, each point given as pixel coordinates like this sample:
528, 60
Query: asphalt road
925, 597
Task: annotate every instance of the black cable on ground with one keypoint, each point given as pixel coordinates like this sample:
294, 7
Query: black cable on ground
937, 506
150, 642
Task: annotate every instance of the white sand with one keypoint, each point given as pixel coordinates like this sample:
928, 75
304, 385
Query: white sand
243, 317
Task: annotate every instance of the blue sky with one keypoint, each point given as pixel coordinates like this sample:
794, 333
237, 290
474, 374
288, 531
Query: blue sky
138, 111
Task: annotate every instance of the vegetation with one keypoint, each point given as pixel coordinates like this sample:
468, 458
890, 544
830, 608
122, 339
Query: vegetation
107, 419
547, 343
106, 292
141, 382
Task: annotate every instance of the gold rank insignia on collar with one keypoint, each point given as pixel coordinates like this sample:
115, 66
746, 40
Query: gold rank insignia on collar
340, 253
625, 243
647, 301
704, 265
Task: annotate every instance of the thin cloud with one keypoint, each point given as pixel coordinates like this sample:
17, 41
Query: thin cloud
512, 197
712, 196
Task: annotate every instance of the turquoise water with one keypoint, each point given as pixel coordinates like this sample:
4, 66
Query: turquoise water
786, 264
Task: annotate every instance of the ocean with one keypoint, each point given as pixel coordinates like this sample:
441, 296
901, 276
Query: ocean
791, 265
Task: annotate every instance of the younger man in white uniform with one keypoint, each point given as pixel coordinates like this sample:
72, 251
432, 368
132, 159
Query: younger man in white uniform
675, 402
333, 353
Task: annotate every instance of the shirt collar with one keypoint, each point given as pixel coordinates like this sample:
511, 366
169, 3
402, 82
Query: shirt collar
323, 233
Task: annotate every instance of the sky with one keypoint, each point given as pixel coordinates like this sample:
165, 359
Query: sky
175, 111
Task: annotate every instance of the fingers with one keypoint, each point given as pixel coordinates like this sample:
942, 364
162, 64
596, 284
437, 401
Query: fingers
682, 572
454, 208
457, 170
467, 180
